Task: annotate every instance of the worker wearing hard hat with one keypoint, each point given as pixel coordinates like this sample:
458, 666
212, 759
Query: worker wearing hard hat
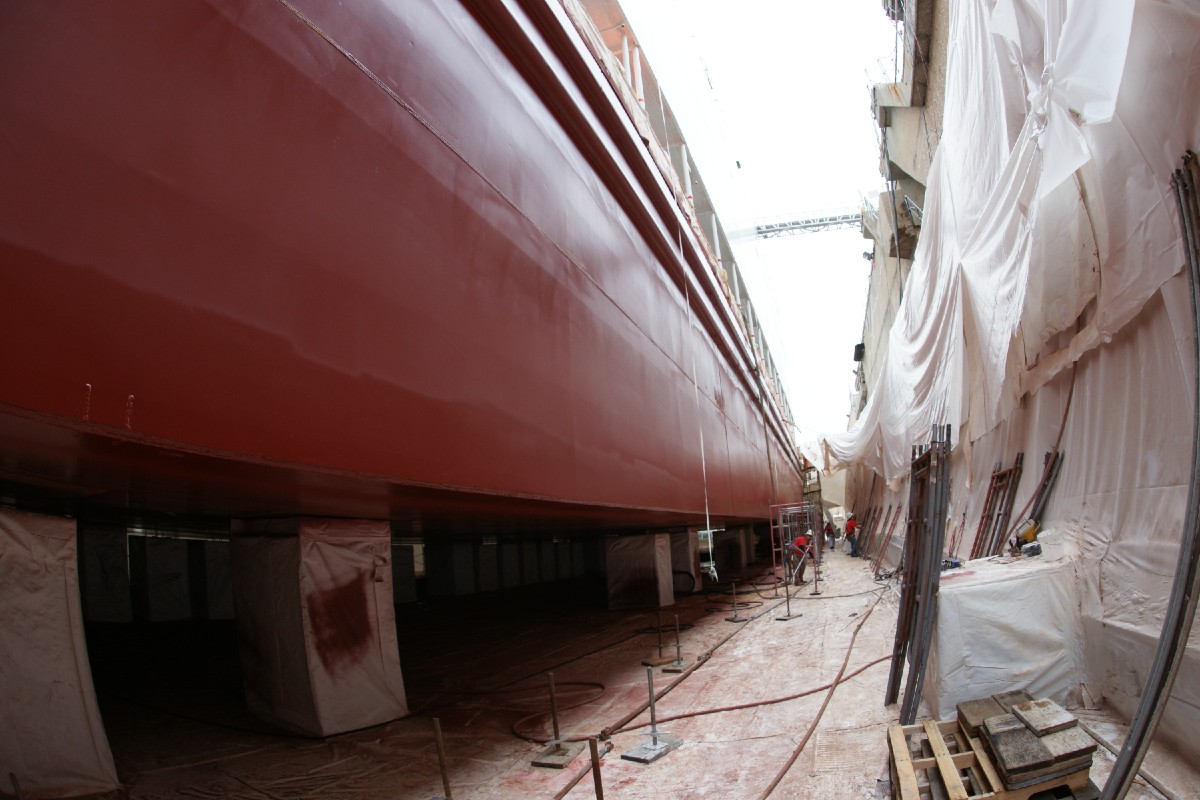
801, 551
852, 535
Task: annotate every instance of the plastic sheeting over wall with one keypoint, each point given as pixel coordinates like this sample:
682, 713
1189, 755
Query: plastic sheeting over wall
51, 734
1046, 301
1048, 195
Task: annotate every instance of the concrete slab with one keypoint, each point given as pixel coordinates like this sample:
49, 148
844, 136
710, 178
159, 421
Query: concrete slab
650, 751
1009, 699
1016, 748
1043, 716
558, 756
1069, 743
972, 713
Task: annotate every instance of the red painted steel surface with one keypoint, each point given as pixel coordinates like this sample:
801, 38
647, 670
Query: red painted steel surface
269, 258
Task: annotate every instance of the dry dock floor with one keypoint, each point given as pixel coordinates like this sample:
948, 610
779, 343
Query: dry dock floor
173, 710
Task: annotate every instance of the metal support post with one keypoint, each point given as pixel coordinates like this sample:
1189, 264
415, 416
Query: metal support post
660, 659
659, 745
559, 753
736, 617
596, 768
816, 551
660, 642
441, 751
677, 665
787, 600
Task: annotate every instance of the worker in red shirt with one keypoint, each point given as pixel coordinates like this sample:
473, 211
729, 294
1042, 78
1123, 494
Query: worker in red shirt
852, 535
801, 552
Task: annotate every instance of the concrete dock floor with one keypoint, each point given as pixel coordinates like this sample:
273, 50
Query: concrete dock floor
478, 665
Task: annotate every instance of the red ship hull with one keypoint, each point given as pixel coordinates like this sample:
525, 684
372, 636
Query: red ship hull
393, 260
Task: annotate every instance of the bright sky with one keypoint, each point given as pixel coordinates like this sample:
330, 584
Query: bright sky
782, 87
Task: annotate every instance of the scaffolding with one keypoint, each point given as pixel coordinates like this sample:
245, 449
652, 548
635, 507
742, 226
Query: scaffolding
789, 520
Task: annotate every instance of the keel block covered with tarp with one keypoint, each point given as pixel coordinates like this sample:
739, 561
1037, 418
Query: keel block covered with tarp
51, 735
316, 625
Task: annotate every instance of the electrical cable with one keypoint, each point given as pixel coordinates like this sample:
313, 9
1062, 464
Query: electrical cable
607, 732
515, 727
825, 704
758, 703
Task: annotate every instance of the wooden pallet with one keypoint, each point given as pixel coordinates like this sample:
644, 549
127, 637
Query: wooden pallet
937, 761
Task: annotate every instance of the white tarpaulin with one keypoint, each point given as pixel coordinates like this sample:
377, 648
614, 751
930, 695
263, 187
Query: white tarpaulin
1049, 190
51, 734
316, 625
1119, 501
639, 571
1006, 626
1045, 300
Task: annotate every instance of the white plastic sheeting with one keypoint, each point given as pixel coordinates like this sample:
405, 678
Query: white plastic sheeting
639, 571
1006, 626
1051, 241
316, 625
1049, 190
51, 734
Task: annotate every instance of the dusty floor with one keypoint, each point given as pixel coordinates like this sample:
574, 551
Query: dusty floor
175, 720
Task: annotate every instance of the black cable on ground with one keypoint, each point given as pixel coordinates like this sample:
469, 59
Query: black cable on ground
821, 711
541, 740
